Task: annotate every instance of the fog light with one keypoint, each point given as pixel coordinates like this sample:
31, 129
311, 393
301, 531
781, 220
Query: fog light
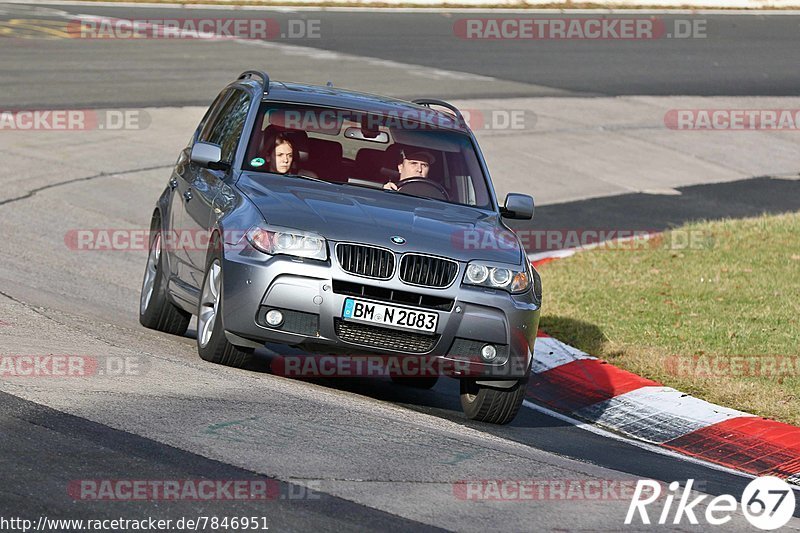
488, 352
274, 317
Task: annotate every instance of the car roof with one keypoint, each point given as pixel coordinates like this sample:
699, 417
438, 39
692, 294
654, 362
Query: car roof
327, 96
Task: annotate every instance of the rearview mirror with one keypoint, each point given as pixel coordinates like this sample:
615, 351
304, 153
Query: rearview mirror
517, 206
208, 155
363, 134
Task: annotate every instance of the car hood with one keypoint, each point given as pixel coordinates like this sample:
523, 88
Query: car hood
363, 215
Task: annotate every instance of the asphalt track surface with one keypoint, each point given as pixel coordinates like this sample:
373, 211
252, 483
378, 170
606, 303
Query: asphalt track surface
378, 455
739, 55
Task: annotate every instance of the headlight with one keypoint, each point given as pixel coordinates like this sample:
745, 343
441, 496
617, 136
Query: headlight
477, 274
500, 277
513, 280
275, 241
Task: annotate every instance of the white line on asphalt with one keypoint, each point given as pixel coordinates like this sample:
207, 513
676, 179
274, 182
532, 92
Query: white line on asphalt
326, 55
414, 70
29, 10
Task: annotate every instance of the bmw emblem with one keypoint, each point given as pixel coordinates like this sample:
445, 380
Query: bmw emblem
397, 239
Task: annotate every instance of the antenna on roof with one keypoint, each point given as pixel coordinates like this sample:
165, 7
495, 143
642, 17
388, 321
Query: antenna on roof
248, 74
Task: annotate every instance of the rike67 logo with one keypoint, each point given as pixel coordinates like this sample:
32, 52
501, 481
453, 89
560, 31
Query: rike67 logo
767, 503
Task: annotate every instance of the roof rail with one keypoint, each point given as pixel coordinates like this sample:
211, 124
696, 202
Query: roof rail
427, 102
247, 74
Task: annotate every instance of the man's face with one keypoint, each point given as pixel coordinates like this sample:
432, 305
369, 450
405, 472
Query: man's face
283, 158
412, 168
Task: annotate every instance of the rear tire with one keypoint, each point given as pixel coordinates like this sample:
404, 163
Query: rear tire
212, 345
155, 309
496, 406
424, 382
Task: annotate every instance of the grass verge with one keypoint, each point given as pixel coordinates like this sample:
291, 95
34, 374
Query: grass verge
711, 308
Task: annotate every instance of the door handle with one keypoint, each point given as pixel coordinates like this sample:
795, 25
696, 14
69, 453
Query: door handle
173, 183
187, 195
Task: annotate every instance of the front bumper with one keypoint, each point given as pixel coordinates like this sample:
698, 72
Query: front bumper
312, 293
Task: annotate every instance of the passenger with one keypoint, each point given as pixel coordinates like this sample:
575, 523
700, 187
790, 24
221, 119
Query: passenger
281, 154
413, 164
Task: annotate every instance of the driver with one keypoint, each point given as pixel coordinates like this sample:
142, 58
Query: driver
413, 164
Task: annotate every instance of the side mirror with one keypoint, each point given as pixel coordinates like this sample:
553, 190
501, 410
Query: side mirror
518, 206
208, 155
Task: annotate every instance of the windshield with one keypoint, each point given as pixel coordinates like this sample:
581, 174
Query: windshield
396, 154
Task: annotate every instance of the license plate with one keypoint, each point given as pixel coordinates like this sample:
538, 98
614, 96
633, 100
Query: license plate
390, 316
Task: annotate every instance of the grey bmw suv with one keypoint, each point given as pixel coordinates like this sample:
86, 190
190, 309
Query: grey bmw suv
291, 218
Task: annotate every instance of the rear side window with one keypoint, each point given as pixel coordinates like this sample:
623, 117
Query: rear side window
226, 127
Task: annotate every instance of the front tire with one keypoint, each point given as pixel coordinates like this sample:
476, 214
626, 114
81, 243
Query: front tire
486, 404
155, 309
212, 345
